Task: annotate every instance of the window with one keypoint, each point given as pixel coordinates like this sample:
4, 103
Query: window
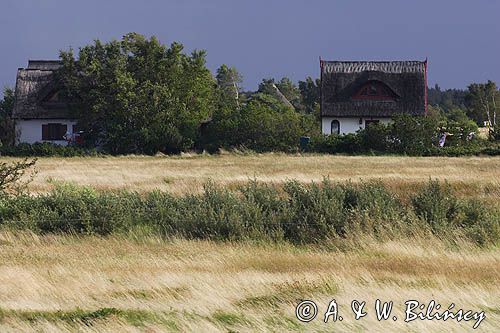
335, 127
376, 91
54, 131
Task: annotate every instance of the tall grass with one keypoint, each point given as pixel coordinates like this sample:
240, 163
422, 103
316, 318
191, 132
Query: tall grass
295, 212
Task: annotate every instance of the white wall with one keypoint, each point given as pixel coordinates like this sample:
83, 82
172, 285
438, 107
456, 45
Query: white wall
348, 125
30, 131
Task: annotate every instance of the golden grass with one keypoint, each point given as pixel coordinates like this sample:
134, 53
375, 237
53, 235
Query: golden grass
478, 176
200, 286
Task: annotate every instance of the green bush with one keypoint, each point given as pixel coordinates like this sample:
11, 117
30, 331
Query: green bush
480, 224
492, 150
344, 144
375, 137
296, 213
45, 149
436, 204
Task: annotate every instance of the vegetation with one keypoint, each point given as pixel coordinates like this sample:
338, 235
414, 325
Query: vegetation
11, 176
310, 213
142, 247
6, 124
144, 97
46, 149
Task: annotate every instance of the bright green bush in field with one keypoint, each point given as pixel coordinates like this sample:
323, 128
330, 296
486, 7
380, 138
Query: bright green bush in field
297, 213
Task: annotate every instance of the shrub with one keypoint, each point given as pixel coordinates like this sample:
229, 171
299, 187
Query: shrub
375, 137
413, 135
436, 204
313, 213
480, 224
45, 149
297, 213
11, 176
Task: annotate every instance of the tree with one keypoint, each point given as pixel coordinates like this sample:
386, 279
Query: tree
229, 83
270, 88
447, 99
222, 129
270, 125
137, 95
310, 92
483, 100
7, 133
413, 135
291, 92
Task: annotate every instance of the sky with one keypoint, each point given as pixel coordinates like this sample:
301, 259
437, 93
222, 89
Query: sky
269, 38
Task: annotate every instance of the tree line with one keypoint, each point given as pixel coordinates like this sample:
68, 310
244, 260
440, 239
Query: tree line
136, 95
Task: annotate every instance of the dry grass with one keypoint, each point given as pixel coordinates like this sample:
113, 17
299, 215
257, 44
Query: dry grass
476, 176
157, 286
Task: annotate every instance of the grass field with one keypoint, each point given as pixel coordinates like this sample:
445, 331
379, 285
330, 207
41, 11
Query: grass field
67, 283
156, 286
476, 176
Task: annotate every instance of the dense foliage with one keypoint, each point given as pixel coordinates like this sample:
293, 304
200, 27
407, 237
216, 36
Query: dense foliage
46, 149
296, 213
6, 123
137, 95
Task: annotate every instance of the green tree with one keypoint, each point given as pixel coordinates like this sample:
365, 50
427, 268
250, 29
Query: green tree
310, 92
291, 92
413, 135
269, 125
229, 84
222, 129
460, 126
7, 132
137, 95
270, 88
483, 101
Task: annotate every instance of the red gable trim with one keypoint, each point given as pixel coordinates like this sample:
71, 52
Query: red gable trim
425, 75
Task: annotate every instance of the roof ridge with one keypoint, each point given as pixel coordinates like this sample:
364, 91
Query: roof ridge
394, 66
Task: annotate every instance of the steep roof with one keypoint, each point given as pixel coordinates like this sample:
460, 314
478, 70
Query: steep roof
342, 80
33, 85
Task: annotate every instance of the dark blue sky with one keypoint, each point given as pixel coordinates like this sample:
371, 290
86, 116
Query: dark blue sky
266, 38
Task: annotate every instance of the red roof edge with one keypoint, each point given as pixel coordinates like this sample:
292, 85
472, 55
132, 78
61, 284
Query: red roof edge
426, 86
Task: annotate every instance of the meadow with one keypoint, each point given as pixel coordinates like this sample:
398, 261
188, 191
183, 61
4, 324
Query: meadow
187, 173
140, 282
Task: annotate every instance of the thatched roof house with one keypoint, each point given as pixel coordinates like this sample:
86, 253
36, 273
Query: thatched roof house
39, 112
356, 93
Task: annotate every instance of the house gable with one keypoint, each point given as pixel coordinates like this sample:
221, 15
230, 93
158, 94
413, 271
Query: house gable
37, 93
373, 89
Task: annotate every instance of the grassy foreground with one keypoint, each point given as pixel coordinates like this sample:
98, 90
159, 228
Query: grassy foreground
89, 284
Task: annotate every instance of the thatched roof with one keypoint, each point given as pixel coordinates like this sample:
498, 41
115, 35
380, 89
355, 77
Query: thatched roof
341, 80
33, 85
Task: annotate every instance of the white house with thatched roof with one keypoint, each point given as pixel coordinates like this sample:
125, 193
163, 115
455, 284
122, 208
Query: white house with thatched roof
40, 114
355, 94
